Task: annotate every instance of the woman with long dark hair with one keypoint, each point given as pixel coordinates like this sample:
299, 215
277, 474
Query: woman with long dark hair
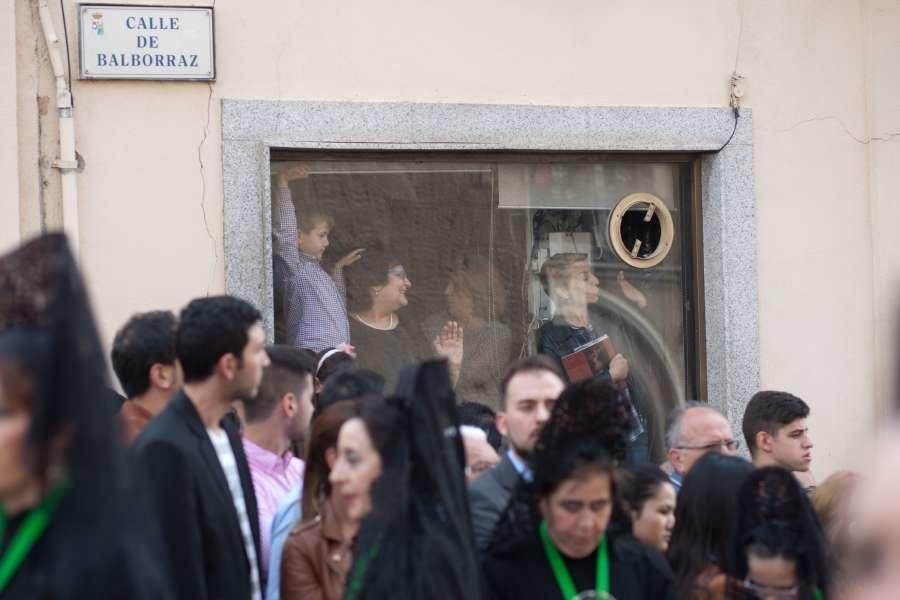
650, 500
778, 549
71, 526
562, 535
416, 540
706, 518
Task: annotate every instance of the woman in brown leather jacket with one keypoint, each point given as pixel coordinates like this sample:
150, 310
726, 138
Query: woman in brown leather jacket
316, 556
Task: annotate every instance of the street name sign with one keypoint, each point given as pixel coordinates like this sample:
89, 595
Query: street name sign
146, 42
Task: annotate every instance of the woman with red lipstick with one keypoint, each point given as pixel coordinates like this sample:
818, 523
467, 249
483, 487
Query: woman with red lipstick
416, 539
376, 290
556, 539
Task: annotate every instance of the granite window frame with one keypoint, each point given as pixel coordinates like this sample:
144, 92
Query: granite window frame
252, 130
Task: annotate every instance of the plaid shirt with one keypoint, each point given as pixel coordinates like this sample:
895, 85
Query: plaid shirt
315, 310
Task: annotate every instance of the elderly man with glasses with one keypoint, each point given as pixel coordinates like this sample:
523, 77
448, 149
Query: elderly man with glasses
693, 430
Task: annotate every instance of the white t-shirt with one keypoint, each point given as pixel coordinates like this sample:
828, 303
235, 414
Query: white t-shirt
220, 442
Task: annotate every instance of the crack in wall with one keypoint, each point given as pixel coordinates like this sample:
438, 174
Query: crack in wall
203, 138
886, 137
212, 238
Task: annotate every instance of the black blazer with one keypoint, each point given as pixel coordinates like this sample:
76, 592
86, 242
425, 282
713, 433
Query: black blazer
193, 504
488, 497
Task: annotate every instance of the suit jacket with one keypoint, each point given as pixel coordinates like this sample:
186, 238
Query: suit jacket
488, 497
316, 560
193, 504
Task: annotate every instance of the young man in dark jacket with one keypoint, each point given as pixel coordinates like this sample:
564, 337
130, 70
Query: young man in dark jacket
193, 460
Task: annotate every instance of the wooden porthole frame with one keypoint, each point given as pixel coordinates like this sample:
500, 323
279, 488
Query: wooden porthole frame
656, 207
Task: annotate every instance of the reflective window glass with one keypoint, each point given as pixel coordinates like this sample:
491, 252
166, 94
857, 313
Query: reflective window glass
579, 258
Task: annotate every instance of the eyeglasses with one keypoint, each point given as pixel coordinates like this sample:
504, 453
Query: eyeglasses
731, 445
399, 271
770, 593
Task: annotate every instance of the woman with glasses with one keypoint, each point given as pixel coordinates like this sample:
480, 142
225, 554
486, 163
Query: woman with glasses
706, 517
377, 287
778, 547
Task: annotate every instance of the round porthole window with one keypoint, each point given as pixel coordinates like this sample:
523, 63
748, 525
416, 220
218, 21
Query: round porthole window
641, 230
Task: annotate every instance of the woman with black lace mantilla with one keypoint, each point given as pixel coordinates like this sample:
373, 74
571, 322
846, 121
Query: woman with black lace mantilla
566, 532
69, 528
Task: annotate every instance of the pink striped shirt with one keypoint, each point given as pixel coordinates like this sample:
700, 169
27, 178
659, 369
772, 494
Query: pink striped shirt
273, 477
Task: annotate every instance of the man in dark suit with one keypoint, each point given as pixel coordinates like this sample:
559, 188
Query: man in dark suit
193, 461
529, 388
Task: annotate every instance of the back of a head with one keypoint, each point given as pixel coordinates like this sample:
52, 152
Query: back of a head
706, 516
768, 411
481, 416
289, 371
145, 340
349, 385
331, 362
770, 499
208, 329
830, 500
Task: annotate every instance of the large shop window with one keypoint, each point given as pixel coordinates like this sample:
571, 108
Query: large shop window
528, 253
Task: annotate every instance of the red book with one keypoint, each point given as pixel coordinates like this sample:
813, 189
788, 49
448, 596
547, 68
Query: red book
589, 359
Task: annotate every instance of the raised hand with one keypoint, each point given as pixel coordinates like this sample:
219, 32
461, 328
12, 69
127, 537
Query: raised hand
618, 369
347, 349
449, 344
349, 259
631, 292
290, 174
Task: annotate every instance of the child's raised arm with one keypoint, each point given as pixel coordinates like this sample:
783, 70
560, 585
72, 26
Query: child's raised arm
284, 226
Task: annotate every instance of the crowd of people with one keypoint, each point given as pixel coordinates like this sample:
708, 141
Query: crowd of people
239, 469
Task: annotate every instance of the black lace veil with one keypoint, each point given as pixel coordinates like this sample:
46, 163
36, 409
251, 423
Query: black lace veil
47, 331
772, 504
418, 541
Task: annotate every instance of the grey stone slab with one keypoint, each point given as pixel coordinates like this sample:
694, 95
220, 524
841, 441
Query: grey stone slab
248, 225
730, 279
507, 127
250, 128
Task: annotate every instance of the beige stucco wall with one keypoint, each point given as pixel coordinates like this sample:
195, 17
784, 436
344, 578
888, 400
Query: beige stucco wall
9, 157
819, 74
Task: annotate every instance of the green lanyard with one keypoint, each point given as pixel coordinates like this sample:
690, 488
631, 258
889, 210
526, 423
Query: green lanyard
563, 578
358, 573
29, 532
818, 595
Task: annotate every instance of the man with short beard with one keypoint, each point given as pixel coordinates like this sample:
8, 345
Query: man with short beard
197, 477
529, 389
275, 420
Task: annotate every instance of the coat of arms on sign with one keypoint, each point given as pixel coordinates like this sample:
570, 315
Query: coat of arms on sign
97, 23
